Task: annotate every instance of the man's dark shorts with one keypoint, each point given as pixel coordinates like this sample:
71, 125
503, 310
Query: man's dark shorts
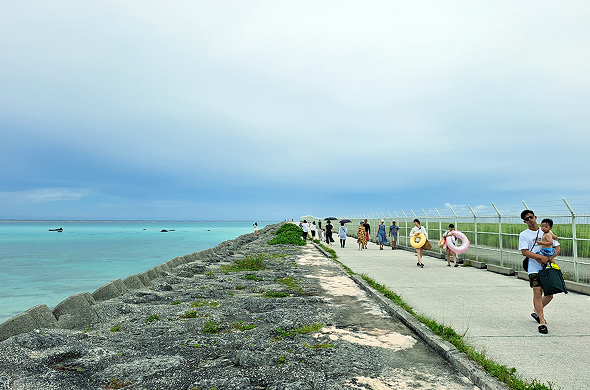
534, 280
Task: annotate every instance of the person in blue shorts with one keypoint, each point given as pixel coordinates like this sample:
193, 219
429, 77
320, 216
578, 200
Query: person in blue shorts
546, 242
393, 231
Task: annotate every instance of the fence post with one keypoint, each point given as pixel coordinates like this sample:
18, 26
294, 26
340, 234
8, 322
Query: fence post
574, 241
440, 234
474, 230
500, 233
456, 224
426, 215
406, 235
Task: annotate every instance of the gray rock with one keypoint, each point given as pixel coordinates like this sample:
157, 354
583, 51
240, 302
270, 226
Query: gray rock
144, 279
164, 267
133, 282
75, 311
36, 317
109, 290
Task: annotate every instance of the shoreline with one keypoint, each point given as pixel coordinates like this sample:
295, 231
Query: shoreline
40, 266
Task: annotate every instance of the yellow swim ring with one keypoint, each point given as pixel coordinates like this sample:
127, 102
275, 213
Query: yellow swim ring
418, 241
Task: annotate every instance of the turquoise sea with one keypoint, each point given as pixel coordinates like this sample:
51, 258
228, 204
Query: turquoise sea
41, 266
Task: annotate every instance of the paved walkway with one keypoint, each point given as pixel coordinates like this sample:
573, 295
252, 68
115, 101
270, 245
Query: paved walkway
492, 310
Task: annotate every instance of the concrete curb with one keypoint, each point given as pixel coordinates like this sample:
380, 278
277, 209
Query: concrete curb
448, 351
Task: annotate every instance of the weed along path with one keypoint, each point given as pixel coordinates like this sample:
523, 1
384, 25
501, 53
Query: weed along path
244, 315
492, 311
378, 350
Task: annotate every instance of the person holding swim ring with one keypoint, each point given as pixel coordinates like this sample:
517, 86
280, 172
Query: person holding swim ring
449, 233
417, 230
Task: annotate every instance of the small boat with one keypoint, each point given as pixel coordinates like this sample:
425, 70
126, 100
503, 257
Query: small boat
56, 230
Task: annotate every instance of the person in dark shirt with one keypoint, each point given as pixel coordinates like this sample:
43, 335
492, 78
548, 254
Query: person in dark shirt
329, 230
367, 227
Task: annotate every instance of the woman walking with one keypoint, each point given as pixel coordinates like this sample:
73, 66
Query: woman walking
329, 229
449, 233
382, 235
416, 230
342, 234
361, 236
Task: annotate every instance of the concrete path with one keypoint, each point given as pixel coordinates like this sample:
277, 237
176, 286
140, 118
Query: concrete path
494, 312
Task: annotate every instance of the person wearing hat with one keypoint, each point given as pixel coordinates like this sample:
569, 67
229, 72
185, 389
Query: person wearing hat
393, 231
382, 235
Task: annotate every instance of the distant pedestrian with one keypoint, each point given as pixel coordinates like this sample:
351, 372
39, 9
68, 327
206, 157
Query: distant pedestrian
528, 244
255, 228
312, 229
449, 233
393, 231
361, 236
367, 227
416, 230
329, 230
320, 231
342, 234
305, 229
382, 235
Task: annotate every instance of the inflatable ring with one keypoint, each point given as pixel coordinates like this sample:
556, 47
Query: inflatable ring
464, 242
420, 242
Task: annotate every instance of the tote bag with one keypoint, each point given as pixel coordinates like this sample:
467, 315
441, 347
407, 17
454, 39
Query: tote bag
552, 281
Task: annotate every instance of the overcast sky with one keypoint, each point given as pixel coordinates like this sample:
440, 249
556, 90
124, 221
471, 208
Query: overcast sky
260, 110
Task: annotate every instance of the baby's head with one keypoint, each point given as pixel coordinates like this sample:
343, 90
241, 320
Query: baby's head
546, 225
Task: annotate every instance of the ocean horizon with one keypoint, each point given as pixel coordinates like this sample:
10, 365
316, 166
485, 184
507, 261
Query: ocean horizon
39, 266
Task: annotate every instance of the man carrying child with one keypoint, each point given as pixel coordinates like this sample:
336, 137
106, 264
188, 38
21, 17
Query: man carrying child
532, 244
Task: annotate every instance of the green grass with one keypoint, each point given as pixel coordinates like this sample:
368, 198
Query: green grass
152, 318
288, 234
253, 277
331, 251
487, 235
304, 329
250, 263
116, 328
319, 346
211, 327
291, 283
204, 303
242, 326
275, 294
190, 314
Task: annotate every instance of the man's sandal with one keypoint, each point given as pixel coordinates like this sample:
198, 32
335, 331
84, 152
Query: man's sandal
543, 329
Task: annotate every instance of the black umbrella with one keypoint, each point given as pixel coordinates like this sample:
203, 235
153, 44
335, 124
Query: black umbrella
330, 219
345, 221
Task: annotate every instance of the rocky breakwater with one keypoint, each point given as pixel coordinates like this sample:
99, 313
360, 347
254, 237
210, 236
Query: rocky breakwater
243, 315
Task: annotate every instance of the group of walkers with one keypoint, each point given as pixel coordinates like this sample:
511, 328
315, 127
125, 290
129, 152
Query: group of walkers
327, 231
364, 230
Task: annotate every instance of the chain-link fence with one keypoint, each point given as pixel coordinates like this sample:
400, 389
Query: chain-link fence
493, 230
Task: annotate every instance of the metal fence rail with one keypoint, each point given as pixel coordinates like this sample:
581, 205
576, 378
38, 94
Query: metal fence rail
493, 230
